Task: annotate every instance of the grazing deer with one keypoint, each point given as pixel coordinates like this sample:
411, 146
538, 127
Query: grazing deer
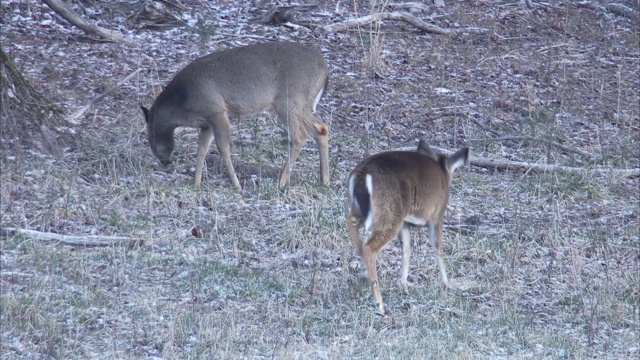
389, 192
286, 77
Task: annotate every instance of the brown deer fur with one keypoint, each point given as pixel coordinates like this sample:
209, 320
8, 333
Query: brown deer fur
391, 191
286, 77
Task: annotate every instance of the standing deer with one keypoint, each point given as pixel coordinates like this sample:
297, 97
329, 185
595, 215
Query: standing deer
391, 191
286, 77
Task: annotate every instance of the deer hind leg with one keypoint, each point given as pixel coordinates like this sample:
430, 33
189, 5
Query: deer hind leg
297, 137
435, 234
369, 257
222, 131
376, 241
320, 132
405, 236
204, 141
354, 223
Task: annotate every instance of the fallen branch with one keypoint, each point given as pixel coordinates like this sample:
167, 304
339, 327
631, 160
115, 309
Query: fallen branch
623, 10
410, 6
527, 166
74, 118
396, 15
614, 8
14, 274
523, 165
531, 138
63, 10
84, 241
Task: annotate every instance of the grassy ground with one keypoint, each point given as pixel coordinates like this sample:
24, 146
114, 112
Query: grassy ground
549, 269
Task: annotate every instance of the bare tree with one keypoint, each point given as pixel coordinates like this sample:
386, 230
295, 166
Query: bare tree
28, 117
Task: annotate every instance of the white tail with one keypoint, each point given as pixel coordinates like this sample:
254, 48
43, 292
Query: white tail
286, 77
391, 191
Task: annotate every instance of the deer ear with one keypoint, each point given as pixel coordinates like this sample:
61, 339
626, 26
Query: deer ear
458, 159
424, 148
146, 113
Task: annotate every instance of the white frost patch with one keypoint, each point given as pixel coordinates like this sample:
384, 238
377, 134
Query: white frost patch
442, 91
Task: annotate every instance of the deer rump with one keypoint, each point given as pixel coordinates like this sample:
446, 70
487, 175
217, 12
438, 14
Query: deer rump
399, 184
390, 191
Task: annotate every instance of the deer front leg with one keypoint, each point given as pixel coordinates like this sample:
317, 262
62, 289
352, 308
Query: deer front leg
204, 141
406, 254
435, 233
321, 135
297, 137
222, 132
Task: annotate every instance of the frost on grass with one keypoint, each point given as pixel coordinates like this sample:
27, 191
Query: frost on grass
549, 261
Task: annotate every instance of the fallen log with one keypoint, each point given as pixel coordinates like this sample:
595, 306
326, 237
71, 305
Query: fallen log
82, 241
528, 166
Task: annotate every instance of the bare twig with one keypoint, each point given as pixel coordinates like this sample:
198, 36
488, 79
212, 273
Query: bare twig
229, 37
396, 15
63, 10
481, 125
84, 241
75, 116
410, 6
284, 14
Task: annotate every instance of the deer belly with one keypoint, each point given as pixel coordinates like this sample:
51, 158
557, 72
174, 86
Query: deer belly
415, 220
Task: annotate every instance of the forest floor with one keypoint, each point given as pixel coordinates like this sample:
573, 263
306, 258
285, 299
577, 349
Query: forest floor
546, 264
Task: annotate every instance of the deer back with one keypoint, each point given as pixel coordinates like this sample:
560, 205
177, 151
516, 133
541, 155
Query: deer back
249, 79
234, 82
407, 186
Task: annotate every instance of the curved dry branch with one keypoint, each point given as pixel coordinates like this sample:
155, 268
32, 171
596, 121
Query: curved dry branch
63, 10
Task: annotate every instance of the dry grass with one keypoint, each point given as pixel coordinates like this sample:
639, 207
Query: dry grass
549, 272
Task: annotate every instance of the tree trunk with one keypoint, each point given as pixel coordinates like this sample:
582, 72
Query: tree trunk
27, 116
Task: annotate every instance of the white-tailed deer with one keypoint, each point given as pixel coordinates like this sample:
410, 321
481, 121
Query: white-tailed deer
286, 77
391, 191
